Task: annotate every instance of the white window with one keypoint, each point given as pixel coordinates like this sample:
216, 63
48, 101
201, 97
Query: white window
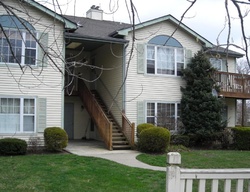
17, 115
165, 60
18, 46
163, 114
219, 64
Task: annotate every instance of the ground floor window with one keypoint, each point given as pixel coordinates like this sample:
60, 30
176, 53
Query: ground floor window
163, 114
17, 115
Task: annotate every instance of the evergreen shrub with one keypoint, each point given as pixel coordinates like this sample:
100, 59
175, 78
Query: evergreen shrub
142, 127
241, 137
12, 146
200, 108
180, 140
55, 139
154, 140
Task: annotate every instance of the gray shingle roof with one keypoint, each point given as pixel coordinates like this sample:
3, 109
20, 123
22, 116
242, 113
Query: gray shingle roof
101, 30
105, 31
224, 51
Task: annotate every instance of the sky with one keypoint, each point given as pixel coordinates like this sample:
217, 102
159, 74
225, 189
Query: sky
206, 17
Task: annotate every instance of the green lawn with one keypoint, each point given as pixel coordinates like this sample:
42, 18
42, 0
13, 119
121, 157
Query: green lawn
66, 172
203, 159
206, 159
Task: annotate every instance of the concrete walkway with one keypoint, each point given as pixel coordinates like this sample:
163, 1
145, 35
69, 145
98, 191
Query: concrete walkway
97, 149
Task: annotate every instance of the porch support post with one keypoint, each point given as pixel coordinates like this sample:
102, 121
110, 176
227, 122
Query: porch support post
243, 112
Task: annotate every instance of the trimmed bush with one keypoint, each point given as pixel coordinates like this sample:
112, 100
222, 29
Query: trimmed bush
12, 146
154, 140
142, 127
241, 137
180, 140
55, 139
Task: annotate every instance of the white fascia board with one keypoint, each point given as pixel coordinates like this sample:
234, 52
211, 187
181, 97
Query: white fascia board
164, 18
68, 24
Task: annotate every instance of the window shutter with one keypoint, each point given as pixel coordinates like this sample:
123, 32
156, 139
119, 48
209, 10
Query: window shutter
140, 112
188, 56
224, 65
41, 114
140, 58
42, 60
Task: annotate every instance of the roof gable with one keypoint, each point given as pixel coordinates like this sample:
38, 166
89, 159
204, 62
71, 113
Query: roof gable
68, 24
167, 18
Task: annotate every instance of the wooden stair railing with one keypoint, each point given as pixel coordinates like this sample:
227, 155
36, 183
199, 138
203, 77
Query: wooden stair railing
122, 138
95, 111
128, 129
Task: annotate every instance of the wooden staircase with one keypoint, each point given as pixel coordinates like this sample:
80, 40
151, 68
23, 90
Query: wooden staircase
119, 141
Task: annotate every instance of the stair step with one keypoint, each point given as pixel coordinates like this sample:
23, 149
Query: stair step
119, 142
117, 147
119, 138
116, 132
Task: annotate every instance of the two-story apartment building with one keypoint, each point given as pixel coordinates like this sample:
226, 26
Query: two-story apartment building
137, 70
94, 77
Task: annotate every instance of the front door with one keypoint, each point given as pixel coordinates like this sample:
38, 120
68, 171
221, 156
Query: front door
69, 119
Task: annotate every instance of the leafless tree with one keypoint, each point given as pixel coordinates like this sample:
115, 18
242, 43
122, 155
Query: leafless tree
241, 6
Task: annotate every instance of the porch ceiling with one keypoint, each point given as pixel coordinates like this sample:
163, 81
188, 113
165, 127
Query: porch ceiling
84, 45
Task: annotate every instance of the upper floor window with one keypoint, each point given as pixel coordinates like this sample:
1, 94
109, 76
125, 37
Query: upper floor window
218, 64
165, 55
17, 41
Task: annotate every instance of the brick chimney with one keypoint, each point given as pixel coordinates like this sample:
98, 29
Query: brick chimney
95, 13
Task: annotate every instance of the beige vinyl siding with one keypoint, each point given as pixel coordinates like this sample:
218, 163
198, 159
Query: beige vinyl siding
110, 56
231, 111
28, 138
144, 87
43, 84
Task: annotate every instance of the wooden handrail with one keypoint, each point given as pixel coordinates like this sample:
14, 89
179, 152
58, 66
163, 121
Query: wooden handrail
128, 130
95, 111
233, 83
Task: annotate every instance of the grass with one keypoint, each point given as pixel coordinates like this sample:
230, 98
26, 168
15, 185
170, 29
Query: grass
66, 172
206, 159
203, 159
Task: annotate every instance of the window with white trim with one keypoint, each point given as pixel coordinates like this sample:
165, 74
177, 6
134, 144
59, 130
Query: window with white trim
17, 41
17, 115
216, 63
163, 114
165, 56
219, 64
18, 47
